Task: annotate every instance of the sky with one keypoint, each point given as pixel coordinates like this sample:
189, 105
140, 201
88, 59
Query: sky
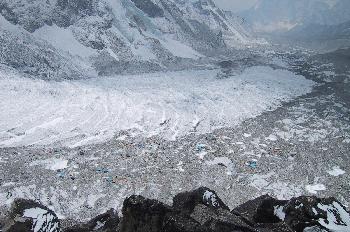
235, 5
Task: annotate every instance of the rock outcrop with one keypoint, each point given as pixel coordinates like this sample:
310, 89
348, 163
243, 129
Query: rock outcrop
28, 215
200, 210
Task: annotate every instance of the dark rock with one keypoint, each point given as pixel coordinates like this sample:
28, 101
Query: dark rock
299, 213
28, 215
273, 227
305, 212
200, 210
143, 215
226, 64
249, 208
69, 11
174, 222
151, 9
8, 13
260, 210
106, 222
187, 201
261, 213
219, 220
97, 45
76, 6
265, 212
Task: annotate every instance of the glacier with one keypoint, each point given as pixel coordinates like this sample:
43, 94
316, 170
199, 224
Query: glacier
169, 104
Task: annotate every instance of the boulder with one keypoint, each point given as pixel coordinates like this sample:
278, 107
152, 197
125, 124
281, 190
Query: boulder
264, 213
28, 215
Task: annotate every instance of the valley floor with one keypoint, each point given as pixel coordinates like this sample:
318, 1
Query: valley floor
293, 138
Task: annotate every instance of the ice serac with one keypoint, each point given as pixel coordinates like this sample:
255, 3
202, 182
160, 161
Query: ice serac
111, 36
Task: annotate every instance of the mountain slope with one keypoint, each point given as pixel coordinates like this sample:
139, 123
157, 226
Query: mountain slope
107, 36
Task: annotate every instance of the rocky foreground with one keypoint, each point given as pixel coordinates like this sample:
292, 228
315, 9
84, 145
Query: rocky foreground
200, 210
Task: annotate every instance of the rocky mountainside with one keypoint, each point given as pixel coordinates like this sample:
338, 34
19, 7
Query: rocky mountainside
200, 210
55, 39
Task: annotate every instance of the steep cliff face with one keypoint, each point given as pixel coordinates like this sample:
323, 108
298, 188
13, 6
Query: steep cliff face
75, 39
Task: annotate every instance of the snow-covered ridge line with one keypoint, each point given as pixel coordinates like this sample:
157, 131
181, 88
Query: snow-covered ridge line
169, 104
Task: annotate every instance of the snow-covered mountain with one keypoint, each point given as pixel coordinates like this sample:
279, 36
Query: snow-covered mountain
73, 39
284, 15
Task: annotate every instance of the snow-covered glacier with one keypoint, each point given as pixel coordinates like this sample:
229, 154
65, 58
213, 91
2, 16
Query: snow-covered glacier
168, 104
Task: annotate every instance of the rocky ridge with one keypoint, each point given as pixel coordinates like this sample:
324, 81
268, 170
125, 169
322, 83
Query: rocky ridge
200, 210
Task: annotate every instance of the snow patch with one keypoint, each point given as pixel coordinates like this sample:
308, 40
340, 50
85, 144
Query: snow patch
63, 39
246, 135
179, 49
338, 220
272, 138
42, 219
51, 164
6, 25
278, 211
225, 162
336, 171
210, 197
313, 189
201, 154
265, 183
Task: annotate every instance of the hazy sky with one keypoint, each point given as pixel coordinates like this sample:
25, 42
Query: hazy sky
235, 5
